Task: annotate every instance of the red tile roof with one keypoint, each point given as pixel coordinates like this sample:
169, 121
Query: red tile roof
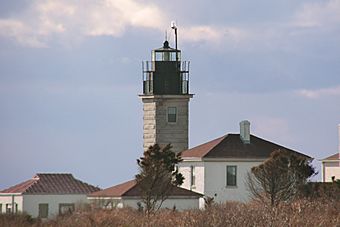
52, 183
130, 188
20, 188
231, 146
332, 157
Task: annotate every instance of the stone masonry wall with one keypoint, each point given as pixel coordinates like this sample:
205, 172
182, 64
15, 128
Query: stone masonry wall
149, 123
156, 128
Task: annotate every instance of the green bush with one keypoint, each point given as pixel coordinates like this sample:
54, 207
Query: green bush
328, 190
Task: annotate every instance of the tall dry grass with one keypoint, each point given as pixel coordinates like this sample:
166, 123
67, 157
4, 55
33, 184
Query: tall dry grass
316, 212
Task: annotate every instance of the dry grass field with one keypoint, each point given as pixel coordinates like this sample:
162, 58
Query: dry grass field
304, 212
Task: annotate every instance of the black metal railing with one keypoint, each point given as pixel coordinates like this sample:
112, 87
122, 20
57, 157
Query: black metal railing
148, 69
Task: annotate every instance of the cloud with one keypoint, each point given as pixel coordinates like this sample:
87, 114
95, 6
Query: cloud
66, 20
214, 34
318, 93
43, 19
112, 17
20, 32
319, 14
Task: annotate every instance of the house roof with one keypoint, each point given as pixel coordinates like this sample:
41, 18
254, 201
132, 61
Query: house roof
333, 157
52, 183
131, 188
232, 146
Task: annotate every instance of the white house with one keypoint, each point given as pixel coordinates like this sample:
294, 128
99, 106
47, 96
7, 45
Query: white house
45, 195
219, 168
128, 194
330, 169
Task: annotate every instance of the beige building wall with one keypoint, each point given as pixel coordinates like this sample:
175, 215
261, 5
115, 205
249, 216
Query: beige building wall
215, 180
180, 203
31, 203
329, 170
210, 178
6, 198
157, 129
185, 169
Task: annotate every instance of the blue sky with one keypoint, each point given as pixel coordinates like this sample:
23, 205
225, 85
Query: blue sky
70, 75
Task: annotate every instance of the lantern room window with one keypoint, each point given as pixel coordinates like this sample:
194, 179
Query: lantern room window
165, 55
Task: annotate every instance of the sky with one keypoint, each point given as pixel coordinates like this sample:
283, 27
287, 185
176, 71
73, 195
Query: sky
70, 75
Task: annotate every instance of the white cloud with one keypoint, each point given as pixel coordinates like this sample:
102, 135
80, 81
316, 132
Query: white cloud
111, 17
212, 33
44, 20
319, 14
20, 32
73, 18
318, 93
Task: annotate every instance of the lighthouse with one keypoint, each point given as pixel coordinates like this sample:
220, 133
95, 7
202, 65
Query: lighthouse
166, 99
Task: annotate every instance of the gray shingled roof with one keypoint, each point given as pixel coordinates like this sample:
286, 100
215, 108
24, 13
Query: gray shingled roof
131, 188
231, 146
52, 183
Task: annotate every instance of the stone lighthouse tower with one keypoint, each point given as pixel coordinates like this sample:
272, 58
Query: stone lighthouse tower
166, 99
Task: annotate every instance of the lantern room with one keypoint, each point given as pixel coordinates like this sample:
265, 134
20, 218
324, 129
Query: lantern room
165, 74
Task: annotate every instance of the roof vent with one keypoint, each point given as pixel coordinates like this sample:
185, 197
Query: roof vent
245, 131
166, 44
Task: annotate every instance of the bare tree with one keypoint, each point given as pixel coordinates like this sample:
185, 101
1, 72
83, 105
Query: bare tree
279, 177
158, 176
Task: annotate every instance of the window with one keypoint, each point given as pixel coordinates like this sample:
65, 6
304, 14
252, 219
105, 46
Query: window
172, 114
165, 56
9, 208
231, 175
158, 56
192, 176
43, 210
66, 208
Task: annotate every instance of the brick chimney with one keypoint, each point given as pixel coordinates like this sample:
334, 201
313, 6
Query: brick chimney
245, 131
